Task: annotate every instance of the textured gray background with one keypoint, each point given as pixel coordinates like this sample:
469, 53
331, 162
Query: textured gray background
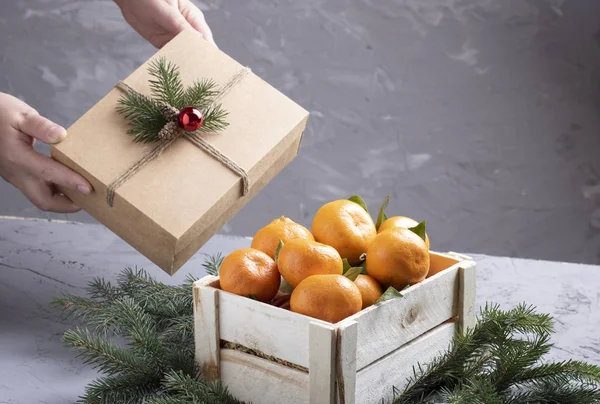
480, 116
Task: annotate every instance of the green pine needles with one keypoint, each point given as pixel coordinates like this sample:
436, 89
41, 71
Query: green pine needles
500, 361
139, 335
145, 115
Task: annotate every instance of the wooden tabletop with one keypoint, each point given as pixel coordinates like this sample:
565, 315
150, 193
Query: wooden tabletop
40, 259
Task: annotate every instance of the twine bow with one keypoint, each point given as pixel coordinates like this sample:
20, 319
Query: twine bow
171, 132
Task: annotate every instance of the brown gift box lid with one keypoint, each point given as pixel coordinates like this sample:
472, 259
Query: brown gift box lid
177, 202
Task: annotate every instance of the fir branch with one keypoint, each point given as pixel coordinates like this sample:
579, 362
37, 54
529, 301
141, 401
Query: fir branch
189, 387
513, 359
139, 328
123, 388
201, 94
166, 86
214, 119
213, 263
98, 288
553, 393
476, 391
106, 356
567, 372
144, 117
179, 329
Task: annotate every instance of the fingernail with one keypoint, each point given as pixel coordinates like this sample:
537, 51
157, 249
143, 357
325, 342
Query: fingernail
84, 189
57, 134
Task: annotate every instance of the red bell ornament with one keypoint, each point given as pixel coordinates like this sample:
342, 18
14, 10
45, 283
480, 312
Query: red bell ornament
190, 119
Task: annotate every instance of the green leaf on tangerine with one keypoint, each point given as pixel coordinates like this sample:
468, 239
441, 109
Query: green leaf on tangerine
353, 273
419, 230
363, 265
279, 246
360, 201
382, 217
390, 293
347, 265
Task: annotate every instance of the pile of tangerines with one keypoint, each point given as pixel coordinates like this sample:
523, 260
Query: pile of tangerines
339, 267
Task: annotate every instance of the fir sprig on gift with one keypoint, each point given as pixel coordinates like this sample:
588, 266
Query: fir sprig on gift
146, 116
499, 361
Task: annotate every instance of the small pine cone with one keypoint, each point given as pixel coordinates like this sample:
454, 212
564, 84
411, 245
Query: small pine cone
170, 131
169, 112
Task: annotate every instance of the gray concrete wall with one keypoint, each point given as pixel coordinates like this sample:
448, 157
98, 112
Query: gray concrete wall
480, 116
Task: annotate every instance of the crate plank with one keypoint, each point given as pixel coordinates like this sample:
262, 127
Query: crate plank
346, 363
439, 262
384, 327
260, 381
322, 355
467, 310
206, 328
265, 328
376, 380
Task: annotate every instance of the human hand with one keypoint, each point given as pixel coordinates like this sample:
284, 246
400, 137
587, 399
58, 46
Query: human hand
34, 173
158, 21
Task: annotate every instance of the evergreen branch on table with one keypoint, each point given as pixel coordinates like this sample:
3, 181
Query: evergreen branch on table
554, 393
504, 351
122, 388
186, 386
212, 264
476, 391
166, 85
106, 356
98, 288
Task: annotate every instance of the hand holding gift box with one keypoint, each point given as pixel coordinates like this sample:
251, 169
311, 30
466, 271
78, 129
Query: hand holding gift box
166, 190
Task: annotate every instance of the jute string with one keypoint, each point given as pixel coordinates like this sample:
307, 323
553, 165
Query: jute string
193, 137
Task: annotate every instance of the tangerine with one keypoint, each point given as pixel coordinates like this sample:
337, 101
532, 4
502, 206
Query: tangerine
398, 257
369, 288
284, 229
401, 221
251, 273
345, 226
329, 298
300, 258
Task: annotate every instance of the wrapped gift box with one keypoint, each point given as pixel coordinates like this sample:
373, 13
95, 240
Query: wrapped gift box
178, 201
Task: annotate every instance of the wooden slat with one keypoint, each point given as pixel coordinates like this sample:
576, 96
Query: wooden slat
322, 354
384, 327
206, 329
467, 310
376, 381
439, 262
268, 329
346, 362
260, 381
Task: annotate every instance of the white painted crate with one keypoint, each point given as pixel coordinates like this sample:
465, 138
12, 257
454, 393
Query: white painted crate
355, 361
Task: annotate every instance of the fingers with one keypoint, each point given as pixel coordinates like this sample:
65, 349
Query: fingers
196, 19
33, 124
41, 166
43, 196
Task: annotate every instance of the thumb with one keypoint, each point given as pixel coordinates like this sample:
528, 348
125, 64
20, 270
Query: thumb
196, 19
38, 127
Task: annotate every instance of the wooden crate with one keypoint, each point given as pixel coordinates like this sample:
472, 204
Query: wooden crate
268, 355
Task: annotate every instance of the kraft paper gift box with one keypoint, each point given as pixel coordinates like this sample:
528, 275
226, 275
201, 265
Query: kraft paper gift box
175, 203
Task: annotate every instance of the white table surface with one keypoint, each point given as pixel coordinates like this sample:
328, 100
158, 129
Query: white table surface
40, 259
